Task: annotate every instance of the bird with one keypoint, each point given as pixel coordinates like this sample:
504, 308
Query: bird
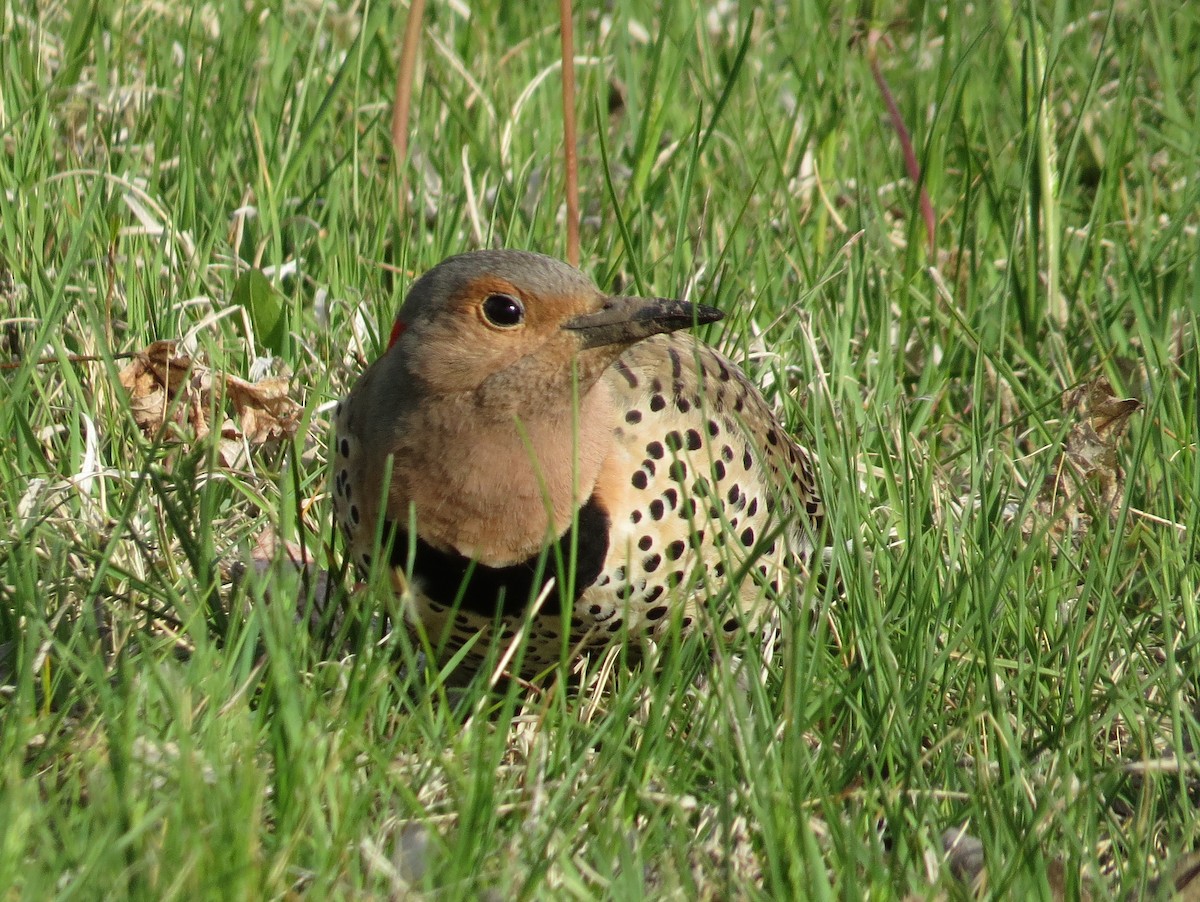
532, 453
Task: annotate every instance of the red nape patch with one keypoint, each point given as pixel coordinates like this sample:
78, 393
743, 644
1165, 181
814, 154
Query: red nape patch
397, 330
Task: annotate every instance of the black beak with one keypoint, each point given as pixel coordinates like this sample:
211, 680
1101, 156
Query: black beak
626, 320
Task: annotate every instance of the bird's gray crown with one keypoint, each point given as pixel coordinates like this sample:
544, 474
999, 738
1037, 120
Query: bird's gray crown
536, 274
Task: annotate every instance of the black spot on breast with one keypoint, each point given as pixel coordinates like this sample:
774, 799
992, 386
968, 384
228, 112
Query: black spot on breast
675, 550
713, 429
730, 625
734, 494
444, 576
723, 371
654, 594
635, 517
626, 373
633, 417
354, 515
657, 403
650, 564
674, 441
682, 404
772, 437
748, 537
693, 440
649, 466
645, 543
747, 458
657, 613
671, 497
753, 508
678, 471
656, 509
676, 364
344, 447
639, 480
718, 469
655, 450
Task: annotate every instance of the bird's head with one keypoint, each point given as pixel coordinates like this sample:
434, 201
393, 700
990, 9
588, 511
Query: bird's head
518, 331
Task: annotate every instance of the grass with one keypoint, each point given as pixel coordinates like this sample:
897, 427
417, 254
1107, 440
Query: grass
167, 732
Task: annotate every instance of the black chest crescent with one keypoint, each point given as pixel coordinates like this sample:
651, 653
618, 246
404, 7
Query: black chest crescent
450, 579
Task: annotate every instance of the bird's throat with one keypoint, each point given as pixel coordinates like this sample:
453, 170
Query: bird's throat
499, 494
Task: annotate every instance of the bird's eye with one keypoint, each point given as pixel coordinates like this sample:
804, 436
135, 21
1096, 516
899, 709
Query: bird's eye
503, 311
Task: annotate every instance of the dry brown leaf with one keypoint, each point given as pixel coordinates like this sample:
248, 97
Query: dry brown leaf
267, 545
1088, 478
316, 582
151, 379
1091, 446
171, 391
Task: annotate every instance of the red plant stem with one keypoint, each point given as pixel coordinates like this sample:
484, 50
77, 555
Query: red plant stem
910, 156
570, 158
402, 102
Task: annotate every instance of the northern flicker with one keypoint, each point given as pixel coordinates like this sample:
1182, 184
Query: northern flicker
528, 443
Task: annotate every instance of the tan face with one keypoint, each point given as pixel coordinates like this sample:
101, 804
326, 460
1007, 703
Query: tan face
493, 335
498, 335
